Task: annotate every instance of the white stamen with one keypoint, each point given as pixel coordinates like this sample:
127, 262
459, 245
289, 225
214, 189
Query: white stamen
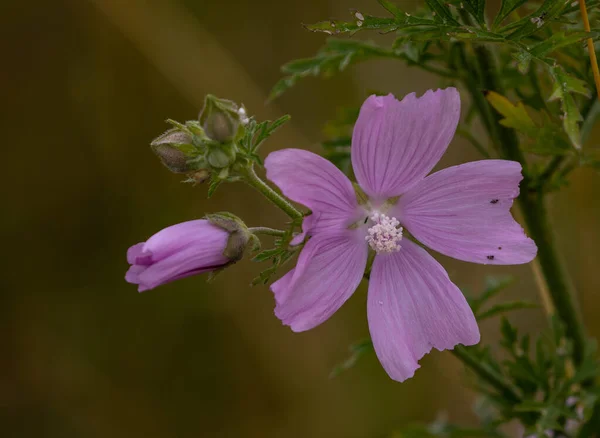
385, 235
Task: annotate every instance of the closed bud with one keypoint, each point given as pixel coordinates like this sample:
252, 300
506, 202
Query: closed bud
168, 148
220, 119
221, 156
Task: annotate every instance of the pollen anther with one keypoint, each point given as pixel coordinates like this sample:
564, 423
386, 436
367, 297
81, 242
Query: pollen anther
384, 236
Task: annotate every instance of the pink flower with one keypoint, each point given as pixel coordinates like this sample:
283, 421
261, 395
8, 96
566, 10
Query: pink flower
176, 252
462, 212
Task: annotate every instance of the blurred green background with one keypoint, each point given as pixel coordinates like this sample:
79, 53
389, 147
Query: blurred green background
86, 85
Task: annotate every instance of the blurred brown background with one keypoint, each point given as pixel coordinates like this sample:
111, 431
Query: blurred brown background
86, 84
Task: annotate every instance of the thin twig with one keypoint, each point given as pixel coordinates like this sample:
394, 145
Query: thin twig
590, 44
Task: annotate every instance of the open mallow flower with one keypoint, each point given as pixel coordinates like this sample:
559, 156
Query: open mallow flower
186, 249
462, 212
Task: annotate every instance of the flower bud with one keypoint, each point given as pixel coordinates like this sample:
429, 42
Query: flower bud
187, 249
168, 148
221, 156
220, 119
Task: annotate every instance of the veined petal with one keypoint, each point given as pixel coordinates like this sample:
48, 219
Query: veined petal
328, 271
396, 143
315, 182
464, 212
413, 306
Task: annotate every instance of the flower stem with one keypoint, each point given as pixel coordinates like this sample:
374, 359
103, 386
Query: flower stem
253, 179
267, 231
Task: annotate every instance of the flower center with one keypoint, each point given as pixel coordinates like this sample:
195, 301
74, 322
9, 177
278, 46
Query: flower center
385, 235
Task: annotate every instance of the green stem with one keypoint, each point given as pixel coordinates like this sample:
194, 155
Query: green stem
491, 376
253, 179
267, 231
531, 203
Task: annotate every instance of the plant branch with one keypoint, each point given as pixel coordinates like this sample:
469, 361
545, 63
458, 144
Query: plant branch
267, 231
253, 179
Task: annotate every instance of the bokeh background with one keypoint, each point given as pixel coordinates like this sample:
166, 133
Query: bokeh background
86, 84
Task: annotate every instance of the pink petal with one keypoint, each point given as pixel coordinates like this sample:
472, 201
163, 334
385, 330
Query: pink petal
396, 143
328, 271
413, 306
315, 182
464, 212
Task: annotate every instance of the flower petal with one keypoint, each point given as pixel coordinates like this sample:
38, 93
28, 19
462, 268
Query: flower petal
413, 306
464, 212
328, 271
315, 182
396, 143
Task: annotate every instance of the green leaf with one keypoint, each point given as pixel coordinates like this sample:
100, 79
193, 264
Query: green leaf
558, 40
532, 23
564, 87
357, 351
509, 333
441, 12
335, 56
515, 116
501, 308
477, 9
507, 7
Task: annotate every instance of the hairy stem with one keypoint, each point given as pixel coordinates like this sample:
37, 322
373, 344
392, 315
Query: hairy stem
253, 179
267, 231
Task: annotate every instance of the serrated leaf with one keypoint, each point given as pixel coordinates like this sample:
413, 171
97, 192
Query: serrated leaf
558, 40
392, 8
267, 254
441, 12
501, 308
564, 86
532, 23
515, 116
477, 9
509, 333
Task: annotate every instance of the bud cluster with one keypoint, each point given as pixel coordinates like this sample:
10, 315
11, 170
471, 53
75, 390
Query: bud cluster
208, 146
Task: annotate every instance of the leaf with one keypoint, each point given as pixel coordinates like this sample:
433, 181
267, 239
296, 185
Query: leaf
441, 12
558, 40
515, 116
564, 86
477, 9
532, 23
357, 350
507, 7
509, 333
335, 56
257, 133
505, 307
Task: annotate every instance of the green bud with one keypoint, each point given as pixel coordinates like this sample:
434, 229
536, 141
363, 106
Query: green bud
168, 148
220, 118
221, 156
